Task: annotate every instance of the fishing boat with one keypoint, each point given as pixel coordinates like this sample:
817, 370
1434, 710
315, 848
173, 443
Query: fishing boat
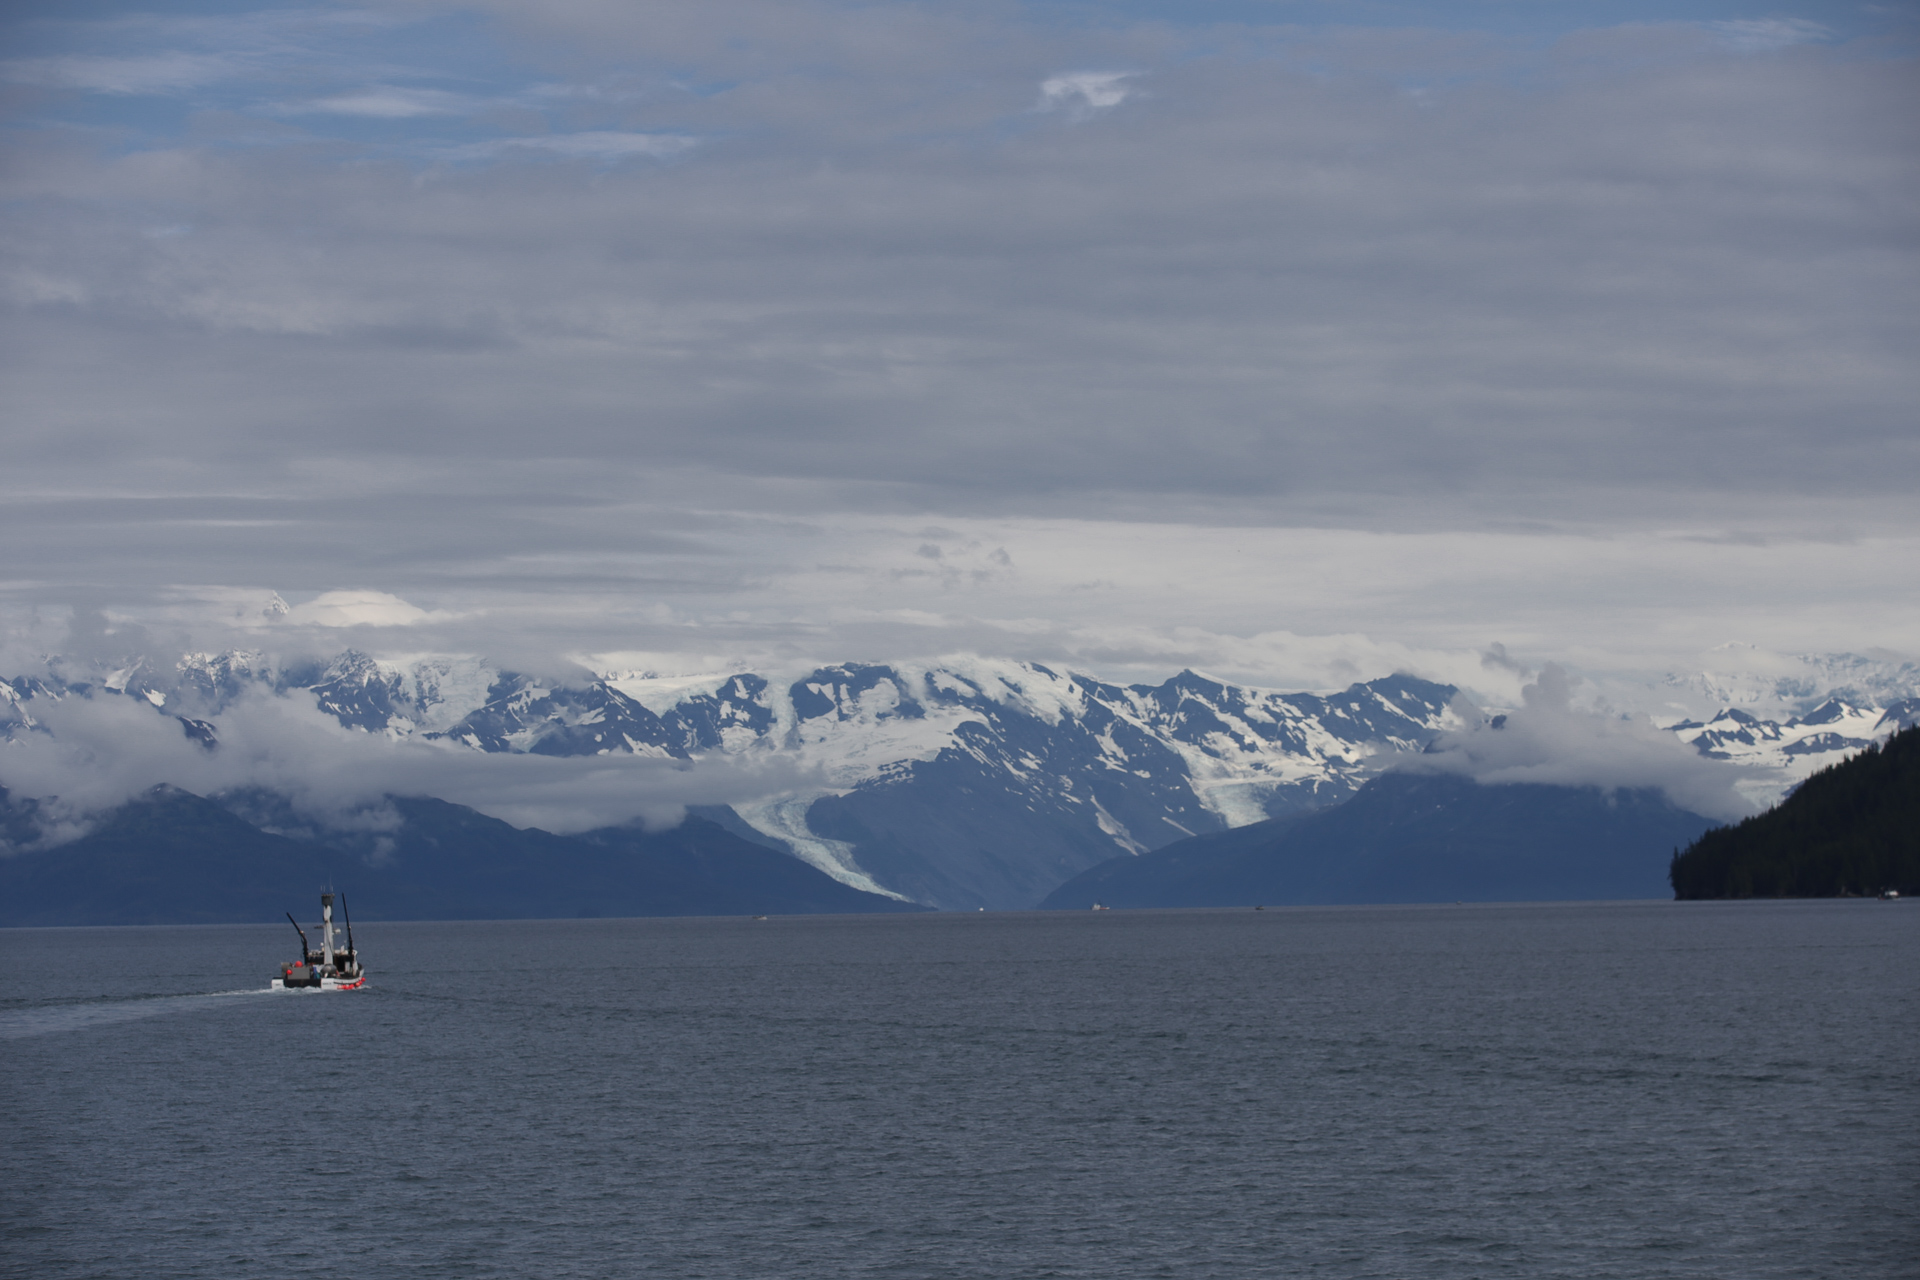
325, 967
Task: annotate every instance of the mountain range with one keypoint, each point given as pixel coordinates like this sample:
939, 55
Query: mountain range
967, 783
1414, 837
171, 857
973, 784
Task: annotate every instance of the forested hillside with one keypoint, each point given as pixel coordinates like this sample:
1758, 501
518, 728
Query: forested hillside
1852, 828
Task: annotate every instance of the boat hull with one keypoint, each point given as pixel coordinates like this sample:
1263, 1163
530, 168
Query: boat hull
325, 983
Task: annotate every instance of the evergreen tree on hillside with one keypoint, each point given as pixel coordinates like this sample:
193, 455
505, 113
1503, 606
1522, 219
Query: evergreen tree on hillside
1852, 828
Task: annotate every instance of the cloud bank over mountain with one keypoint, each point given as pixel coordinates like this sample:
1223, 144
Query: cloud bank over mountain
1547, 740
971, 782
95, 753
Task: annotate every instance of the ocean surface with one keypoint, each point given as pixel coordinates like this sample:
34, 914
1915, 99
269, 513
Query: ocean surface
1724, 1090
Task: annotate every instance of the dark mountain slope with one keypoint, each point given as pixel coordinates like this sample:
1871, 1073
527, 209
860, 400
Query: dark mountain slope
168, 858
696, 868
173, 858
1854, 827
1410, 837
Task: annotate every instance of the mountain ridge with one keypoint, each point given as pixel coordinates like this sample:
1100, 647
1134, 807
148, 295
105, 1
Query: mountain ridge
172, 857
962, 783
1411, 836
968, 784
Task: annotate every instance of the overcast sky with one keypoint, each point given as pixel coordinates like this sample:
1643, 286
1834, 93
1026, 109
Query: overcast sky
1296, 342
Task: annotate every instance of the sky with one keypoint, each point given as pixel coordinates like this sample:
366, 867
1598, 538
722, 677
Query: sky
1297, 343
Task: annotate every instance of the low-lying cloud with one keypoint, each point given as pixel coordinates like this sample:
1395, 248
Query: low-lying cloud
101, 752
1549, 741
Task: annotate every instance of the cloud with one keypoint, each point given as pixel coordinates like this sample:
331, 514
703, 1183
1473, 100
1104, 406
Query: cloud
1085, 92
1761, 35
1548, 741
599, 144
390, 103
156, 73
360, 609
1290, 353
103, 751
1274, 285
1496, 658
715, 573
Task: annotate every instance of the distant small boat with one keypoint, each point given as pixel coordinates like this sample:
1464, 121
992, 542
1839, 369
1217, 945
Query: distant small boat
325, 967
1888, 895
1098, 907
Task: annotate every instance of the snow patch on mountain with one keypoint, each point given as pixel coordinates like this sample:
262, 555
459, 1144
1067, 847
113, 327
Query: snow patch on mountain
1024, 687
442, 690
1117, 830
660, 694
852, 722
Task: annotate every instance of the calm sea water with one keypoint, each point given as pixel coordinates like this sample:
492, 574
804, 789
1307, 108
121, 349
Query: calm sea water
1644, 1090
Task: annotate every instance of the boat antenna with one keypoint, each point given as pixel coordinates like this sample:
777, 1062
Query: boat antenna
304, 948
348, 917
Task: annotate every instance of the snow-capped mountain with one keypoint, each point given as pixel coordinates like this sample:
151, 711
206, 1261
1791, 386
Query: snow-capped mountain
18, 695
1794, 749
985, 783
971, 782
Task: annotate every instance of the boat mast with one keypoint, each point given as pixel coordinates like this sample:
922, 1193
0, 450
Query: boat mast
326, 928
306, 952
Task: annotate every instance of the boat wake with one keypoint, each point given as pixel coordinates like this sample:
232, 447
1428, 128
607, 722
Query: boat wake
19, 1024
327, 967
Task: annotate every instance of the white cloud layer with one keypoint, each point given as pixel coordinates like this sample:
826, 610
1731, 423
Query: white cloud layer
103, 751
1086, 91
1754, 35
1547, 741
148, 74
391, 103
332, 609
594, 144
